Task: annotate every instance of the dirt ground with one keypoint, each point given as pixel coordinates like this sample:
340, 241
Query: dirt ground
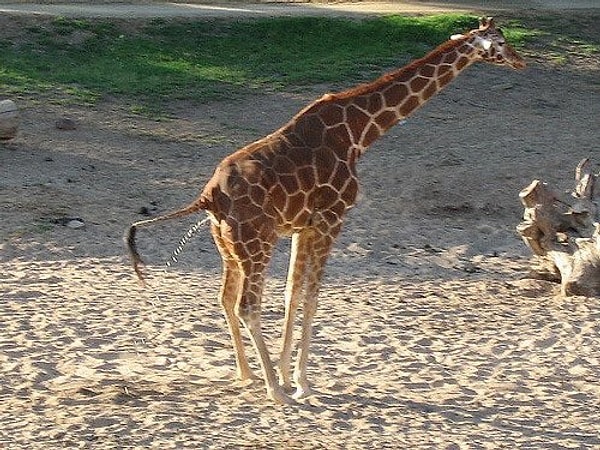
228, 8
426, 334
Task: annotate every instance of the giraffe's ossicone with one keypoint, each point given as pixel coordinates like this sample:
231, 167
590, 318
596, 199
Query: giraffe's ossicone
299, 182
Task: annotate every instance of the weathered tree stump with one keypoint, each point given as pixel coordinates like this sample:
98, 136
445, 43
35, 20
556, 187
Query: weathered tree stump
9, 119
563, 232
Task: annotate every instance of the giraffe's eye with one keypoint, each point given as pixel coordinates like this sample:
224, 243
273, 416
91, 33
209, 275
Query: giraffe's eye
501, 44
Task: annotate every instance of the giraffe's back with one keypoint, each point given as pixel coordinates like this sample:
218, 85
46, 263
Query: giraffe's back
284, 181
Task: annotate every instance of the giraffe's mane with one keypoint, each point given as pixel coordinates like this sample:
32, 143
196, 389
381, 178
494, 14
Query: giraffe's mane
369, 87
396, 74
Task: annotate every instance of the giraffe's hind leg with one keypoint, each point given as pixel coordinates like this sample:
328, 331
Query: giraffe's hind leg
228, 297
293, 292
248, 309
318, 246
249, 248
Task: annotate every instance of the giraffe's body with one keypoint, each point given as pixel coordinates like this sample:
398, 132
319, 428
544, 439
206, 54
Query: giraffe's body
299, 181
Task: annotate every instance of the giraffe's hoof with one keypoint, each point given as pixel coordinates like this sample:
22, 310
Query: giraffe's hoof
287, 387
280, 397
245, 382
302, 392
247, 376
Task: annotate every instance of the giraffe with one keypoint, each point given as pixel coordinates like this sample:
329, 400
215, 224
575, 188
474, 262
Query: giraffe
298, 182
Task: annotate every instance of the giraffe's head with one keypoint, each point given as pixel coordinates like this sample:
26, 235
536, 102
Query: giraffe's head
491, 45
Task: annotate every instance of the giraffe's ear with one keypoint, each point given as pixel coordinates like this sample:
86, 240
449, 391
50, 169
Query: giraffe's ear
486, 22
456, 37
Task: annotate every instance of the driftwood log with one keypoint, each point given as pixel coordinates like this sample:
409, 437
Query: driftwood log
9, 119
563, 232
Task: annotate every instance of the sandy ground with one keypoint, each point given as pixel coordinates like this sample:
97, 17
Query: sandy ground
426, 336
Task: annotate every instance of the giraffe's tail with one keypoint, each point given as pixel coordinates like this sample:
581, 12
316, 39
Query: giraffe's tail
185, 239
130, 233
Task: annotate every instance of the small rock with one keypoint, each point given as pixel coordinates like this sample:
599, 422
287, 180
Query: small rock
148, 210
9, 120
66, 123
75, 224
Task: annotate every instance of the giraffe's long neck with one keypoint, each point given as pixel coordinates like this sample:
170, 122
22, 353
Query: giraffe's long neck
402, 92
357, 117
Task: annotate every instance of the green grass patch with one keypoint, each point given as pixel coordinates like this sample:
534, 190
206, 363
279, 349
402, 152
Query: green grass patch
570, 40
162, 60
